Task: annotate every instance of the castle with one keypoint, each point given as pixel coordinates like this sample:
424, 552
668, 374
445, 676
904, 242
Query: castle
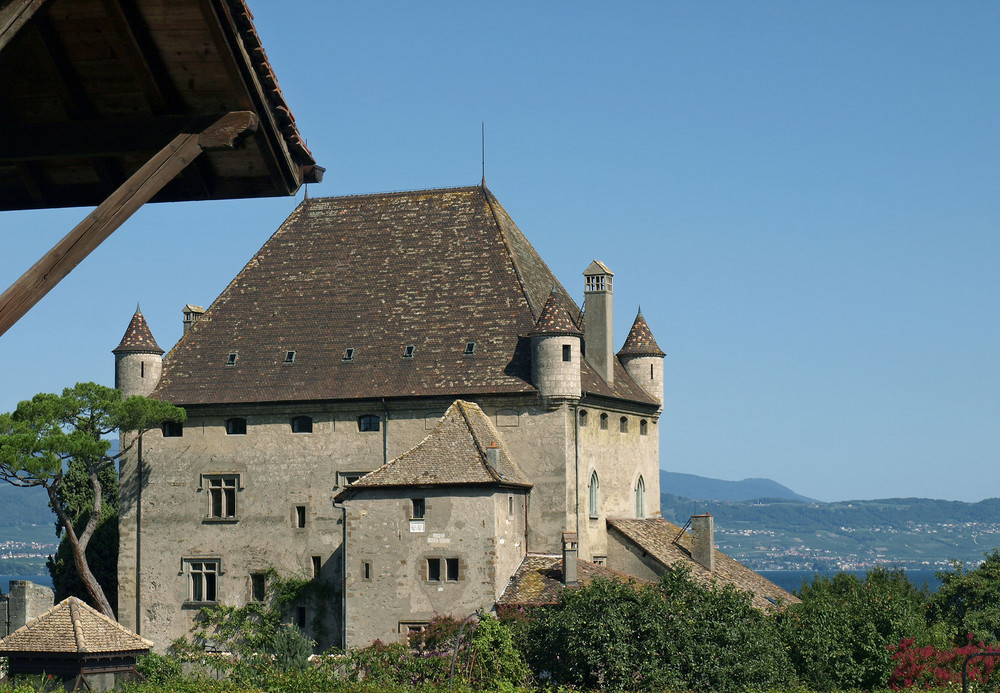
395, 397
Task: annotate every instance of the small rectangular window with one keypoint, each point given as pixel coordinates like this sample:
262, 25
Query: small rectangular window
173, 429
236, 427
203, 578
302, 424
348, 478
222, 495
368, 422
300, 617
408, 351
600, 560
470, 348
348, 354
317, 564
451, 565
567, 352
289, 357
418, 509
366, 571
300, 516
434, 569
231, 359
510, 505
258, 587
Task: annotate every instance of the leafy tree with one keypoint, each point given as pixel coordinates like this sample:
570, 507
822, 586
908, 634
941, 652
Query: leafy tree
51, 439
678, 634
968, 601
842, 634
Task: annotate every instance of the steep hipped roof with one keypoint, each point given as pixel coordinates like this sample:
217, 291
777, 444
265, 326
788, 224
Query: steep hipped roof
538, 580
657, 536
73, 627
554, 320
137, 338
453, 454
640, 340
376, 274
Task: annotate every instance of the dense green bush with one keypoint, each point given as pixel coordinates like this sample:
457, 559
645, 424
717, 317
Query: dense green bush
842, 634
292, 649
678, 634
968, 601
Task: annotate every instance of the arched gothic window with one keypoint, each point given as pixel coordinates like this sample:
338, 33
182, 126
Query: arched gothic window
594, 496
640, 498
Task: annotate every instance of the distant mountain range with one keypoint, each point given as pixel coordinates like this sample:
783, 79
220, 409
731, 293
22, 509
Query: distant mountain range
703, 488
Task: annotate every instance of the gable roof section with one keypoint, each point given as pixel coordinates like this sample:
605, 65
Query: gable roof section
73, 627
538, 580
431, 269
453, 454
656, 537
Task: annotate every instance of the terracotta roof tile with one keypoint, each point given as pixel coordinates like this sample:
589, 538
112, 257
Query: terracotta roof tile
453, 453
137, 338
640, 340
554, 320
71, 626
538, 580
656, 537
432, 269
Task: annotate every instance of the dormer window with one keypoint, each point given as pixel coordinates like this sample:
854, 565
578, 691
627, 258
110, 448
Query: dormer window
470, 349
348, 354
231, 360
289, 357
408, 351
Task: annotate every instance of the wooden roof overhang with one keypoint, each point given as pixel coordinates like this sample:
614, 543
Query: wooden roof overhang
95, 96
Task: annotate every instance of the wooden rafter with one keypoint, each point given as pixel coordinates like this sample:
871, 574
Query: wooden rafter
226, 133
13, 15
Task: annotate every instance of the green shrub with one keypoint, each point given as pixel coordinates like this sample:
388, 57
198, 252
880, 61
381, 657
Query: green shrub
292, 649
497, 660
158, 669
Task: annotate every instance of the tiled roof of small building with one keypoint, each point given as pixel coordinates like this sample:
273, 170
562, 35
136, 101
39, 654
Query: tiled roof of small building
554, 320
453, 453
656, 537
137, 338
640, 340
538, 580
71, 626
433, 269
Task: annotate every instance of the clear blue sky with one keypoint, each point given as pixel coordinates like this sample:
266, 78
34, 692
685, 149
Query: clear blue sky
803, 197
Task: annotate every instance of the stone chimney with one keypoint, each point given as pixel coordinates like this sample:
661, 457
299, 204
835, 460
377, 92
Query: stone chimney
192, 314
703, 540
597, 331
570, 550
493, 455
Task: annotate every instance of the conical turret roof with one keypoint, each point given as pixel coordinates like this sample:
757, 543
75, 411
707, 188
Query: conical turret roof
554, 319
640, 340
137, 338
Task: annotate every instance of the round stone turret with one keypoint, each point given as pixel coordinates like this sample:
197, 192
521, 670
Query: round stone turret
138, 359
643, 358
555, 353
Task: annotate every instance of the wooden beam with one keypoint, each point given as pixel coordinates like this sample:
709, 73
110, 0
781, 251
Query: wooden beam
13, 15
228, 131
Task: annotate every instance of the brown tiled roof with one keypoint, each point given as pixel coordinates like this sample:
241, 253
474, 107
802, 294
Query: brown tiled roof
431, 269
453, 453
554, 320
640, 340
656, 537
71, 626
538, 580
137, 338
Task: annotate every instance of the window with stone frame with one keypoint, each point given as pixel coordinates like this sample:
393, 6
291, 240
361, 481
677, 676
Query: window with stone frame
640, 498
604, 422
221, 490
258, 587
202, 580
643, 427
583, 418
368, 422
623, 425
594, 496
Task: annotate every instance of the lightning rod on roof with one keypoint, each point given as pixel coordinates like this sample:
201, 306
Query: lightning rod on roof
484, 153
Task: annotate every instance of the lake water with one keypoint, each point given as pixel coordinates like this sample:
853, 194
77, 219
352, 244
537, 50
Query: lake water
792, 580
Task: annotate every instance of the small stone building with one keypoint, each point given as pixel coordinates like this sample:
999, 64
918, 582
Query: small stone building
77, 645
438, 530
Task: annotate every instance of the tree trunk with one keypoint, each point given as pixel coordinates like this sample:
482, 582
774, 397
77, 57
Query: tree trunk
80, 547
